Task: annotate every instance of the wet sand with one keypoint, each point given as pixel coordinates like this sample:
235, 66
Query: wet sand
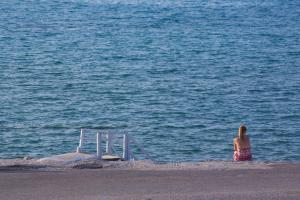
278, 181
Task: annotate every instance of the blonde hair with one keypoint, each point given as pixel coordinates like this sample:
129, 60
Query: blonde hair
242, 132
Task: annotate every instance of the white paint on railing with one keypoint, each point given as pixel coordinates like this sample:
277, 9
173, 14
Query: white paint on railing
127, 153
79, 148
125, 147
99, 152
109, 143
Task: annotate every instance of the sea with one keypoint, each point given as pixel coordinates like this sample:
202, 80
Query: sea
179, 76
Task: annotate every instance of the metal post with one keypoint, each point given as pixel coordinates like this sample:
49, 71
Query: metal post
109, 143
79, 148
125, 147
99, 153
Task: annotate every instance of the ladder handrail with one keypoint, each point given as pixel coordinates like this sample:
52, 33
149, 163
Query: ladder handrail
142, 149
127, 153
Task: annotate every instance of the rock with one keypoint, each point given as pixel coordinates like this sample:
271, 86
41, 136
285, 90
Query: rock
27, 158
88, 165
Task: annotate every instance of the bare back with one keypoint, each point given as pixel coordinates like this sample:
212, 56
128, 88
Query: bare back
241, 144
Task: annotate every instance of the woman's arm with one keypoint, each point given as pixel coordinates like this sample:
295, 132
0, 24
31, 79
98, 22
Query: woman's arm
249, 143
234, 145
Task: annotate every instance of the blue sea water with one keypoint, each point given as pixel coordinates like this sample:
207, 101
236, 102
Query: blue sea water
180, 76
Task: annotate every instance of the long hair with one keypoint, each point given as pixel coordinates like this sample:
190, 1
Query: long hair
242, 132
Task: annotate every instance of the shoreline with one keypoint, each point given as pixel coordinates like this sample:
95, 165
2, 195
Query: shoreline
50, 164
87, 161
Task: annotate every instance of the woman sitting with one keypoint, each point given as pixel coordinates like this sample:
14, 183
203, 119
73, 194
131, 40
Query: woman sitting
242, 147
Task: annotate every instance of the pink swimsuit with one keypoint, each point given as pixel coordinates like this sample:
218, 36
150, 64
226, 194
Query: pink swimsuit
242, 155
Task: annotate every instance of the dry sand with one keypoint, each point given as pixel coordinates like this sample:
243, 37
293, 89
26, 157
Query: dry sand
145, 181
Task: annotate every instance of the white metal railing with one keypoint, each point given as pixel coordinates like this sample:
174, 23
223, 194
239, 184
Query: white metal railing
126, 154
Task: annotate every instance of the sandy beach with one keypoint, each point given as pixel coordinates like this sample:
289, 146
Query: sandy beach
274, 181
